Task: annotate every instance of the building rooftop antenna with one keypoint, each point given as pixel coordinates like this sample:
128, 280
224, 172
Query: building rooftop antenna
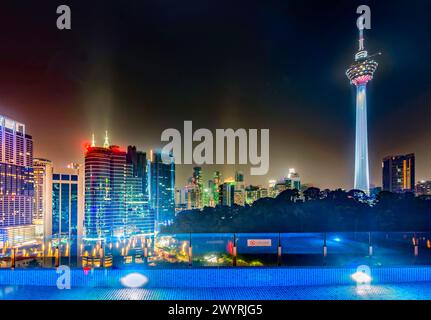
106, 142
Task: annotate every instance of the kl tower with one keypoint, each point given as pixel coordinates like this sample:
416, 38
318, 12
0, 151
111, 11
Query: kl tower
359, 74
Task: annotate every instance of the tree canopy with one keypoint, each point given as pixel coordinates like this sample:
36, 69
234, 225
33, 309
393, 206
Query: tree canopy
326, 211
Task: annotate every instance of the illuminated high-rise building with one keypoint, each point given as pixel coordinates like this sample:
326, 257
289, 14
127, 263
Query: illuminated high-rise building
272, 192
293, 180
42, 204
193, 195
214, 187
360, 73
239, 197
58, 209
423, 188
162, 189
399, 173
197, 187
251, 194
16, 183
227, 194
140, 165
66, 220
139, 215
212, 190
116, 192
105, 191
254, 193
181, 199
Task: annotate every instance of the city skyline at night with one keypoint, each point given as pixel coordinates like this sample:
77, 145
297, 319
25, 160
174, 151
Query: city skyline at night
254, 71
222, 152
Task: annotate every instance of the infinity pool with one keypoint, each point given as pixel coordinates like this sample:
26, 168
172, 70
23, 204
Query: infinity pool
318, 283
407, 291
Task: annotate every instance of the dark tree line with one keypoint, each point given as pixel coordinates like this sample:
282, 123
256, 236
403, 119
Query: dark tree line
319, 212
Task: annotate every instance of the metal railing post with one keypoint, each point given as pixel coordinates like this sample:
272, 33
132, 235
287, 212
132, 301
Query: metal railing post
416, 245
13, 258
57, 257
279, 251
190, 251
145, 250
234, 262
325, 248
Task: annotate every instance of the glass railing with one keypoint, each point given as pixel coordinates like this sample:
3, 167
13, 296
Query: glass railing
223, 250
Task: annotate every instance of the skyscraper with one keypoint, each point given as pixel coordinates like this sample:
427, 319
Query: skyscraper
214, 187
196, 188
239, 197
42, 204
162, 189
67, 217
140, 217
359, 74
16, 182
399, 173
140, 165
227, 194
105, 191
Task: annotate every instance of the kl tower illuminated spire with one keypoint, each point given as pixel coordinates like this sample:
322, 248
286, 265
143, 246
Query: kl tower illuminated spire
359, 74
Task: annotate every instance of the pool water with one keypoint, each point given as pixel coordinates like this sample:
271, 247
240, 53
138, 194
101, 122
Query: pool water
405, 291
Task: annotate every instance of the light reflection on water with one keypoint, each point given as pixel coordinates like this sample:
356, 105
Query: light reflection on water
170, 251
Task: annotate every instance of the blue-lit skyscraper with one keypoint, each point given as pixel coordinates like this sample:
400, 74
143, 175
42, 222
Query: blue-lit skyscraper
140, 217
105, 192
116, 193
162, 189
67, 204
359, 74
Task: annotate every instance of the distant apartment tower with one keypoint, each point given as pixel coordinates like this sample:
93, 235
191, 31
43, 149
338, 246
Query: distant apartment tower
162, 189
423, 188
58, 209
198, 187
16, 183
213, 189
399, 173
254, 193
193, 195
292, 181
181, 199
239, 197
227, 194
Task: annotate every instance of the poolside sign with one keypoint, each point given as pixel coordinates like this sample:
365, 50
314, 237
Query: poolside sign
259, 243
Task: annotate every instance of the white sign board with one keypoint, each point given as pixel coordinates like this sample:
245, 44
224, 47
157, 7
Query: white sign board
259, 243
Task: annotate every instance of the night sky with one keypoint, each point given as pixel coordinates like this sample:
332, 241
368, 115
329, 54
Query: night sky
136, 68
